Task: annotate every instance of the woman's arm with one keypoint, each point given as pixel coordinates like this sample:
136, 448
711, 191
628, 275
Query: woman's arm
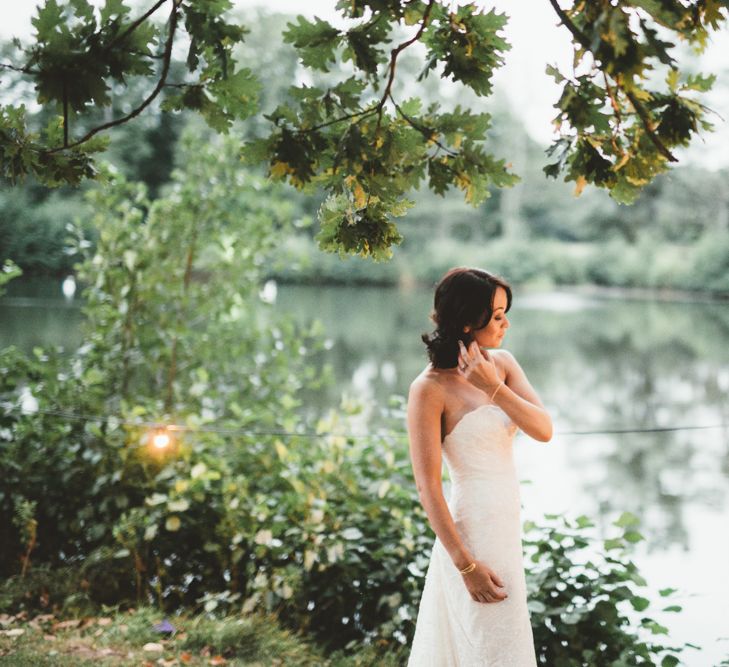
516, 397
425, 406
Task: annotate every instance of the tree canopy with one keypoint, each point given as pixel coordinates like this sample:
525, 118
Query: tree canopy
625, 105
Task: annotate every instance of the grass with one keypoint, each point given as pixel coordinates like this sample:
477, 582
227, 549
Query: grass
129, 639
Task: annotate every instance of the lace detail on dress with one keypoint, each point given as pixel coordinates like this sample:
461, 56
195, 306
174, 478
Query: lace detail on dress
453, 630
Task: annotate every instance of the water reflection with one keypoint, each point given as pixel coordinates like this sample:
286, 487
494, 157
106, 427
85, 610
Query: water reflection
35, 312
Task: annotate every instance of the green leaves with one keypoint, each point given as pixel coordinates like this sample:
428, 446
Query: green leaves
623, 108
8, 271
74, 57
316, 42
583, 597
367, 149
468, 45
616, 132
357, 224
367, 157
222, 102
48, 21
79, 52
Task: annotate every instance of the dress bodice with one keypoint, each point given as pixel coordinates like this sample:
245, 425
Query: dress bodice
480, 444
478, 453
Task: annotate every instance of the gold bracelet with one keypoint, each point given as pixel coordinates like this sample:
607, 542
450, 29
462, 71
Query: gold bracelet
497, 391
469, 568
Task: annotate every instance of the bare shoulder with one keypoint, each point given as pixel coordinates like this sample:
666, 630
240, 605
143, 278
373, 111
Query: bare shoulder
426, 388
516, 378
505, 359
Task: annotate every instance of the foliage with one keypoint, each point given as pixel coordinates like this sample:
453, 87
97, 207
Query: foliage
618, 127
33, 231
229, 515
369, 151
711, 263
355, 136
299, 526
8, 271
78, 52
583, 597
699, 267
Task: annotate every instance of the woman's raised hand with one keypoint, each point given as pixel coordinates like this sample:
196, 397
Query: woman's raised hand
484, 585
477, 366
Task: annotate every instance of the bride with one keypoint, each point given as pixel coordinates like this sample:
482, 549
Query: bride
466, 406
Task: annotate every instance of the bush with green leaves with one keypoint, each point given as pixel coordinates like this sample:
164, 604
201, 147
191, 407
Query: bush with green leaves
316, 525
584, 601
8, 271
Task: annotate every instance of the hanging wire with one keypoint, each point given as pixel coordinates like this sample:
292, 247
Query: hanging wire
309, 434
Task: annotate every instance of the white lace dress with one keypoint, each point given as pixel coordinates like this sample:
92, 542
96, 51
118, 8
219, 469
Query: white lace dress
452, 629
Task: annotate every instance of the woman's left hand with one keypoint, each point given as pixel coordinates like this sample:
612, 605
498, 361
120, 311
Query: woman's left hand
477, 366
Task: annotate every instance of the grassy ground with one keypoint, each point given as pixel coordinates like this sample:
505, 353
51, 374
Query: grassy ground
129, 638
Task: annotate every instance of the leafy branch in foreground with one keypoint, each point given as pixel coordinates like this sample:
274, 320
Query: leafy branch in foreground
617, 127
584, 601
366, 148
79, 53
624, 108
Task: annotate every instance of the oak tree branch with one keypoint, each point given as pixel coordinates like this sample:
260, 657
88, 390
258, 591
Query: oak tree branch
639, 108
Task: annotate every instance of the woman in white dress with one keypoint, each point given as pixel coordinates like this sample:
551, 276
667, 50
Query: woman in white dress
466, 407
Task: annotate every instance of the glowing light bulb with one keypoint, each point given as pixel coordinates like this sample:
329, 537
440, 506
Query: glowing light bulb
161, 440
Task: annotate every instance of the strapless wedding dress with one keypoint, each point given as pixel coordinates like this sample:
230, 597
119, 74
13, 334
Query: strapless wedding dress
452, 629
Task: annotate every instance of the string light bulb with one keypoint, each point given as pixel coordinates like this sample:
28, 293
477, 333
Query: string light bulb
160, 439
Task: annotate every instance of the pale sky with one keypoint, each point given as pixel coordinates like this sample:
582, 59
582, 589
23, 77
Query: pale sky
535, 40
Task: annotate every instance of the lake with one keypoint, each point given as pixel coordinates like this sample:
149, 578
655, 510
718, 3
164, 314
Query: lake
600, 364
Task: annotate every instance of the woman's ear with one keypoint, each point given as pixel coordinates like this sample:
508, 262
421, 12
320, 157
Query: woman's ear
466, 329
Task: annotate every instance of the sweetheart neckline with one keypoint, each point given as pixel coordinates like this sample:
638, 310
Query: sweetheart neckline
470, 412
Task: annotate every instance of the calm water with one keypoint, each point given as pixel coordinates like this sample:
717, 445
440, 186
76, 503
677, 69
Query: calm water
599, 364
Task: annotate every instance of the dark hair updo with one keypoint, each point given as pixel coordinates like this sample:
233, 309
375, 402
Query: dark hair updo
463, 297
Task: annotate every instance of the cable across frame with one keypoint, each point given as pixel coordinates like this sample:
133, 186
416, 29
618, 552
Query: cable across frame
312, 434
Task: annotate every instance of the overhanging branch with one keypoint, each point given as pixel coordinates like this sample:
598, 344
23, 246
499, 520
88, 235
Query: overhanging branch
393, 59
137, 23
639, 108
160, 84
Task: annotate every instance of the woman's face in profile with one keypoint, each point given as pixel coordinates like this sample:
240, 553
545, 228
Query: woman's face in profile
492, 334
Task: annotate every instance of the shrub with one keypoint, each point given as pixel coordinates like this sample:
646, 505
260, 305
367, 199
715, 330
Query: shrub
583, 599
229, 515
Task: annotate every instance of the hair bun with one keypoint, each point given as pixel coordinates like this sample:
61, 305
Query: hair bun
463, 297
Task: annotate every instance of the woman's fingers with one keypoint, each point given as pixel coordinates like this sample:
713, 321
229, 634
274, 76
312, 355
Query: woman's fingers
488, 598
500, 595
497, 580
